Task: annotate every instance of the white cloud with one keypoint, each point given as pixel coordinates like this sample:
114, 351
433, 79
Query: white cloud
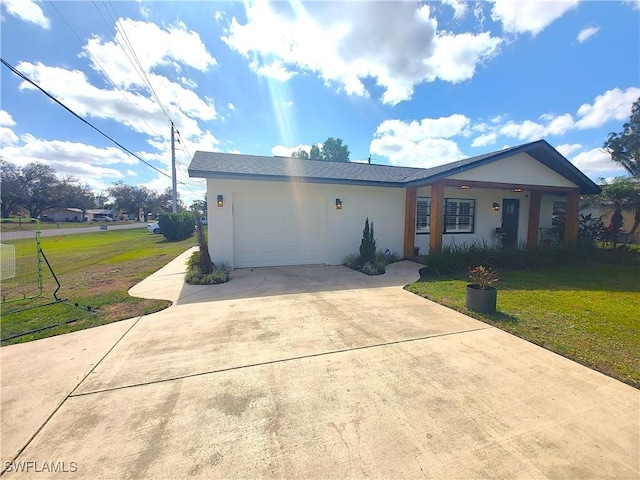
443, 127
460, 7
455, 57
282, 151
586, 33
95, 166
595, 162
27, 10
419, 144
72, 88
5, 119
7, 137
530, 16
526, 130
484, 140
154, 46
188, 82
231, 106
567, 149
395, 43
614, 104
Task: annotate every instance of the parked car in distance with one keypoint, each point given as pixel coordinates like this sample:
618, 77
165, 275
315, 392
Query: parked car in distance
153, 227
203, 220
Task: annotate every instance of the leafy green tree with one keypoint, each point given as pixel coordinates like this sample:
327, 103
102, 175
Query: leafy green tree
315, 153
300, 153
334, 151
368, 243
200, 206
624, 147
129, 199
10, 192
70, 193
38, 184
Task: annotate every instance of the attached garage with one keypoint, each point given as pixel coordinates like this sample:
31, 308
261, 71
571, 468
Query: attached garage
276, 229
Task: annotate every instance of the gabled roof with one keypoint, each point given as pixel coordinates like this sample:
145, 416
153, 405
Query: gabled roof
254, 167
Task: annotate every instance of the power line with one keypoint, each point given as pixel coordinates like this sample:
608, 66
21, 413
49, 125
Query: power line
27, 79
142, 70
103, 70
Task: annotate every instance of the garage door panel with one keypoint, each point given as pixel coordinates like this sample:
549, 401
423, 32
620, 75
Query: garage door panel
276, 230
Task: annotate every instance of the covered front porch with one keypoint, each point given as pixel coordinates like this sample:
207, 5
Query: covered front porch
457, 211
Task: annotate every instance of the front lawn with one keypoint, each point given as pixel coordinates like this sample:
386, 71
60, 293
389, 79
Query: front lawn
95, 271
588, 313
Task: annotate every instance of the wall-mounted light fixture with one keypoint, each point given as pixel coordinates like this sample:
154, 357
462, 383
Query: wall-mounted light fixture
495, 207
338, 204
220, 201
517, 190
464, 187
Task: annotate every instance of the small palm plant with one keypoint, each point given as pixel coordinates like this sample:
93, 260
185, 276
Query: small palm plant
483, 276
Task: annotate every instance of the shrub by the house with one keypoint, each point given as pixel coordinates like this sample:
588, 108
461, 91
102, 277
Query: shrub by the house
211, 276
368, 243
369, 262
177, 226
200, 268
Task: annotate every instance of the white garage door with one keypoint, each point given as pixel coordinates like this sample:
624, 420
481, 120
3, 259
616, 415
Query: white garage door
272, 230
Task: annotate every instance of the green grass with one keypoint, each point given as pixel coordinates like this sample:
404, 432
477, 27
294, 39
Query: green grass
95, 270
588, 313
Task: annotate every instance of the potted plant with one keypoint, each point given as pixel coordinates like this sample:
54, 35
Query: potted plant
481, 296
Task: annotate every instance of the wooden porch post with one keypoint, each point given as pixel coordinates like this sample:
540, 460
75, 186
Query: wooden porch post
571, 218
410, 221
534, 220
437, 218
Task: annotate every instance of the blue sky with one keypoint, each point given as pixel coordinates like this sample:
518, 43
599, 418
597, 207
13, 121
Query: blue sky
409, 83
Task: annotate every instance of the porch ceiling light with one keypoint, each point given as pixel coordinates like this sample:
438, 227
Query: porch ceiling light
338, 204
220, 201
464, 187
517, 190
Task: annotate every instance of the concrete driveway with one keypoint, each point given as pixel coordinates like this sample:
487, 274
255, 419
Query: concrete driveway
308, 372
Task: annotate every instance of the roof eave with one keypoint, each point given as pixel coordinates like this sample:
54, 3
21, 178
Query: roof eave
287, 178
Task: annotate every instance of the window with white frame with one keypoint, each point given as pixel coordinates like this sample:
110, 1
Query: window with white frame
423, 215
459, 215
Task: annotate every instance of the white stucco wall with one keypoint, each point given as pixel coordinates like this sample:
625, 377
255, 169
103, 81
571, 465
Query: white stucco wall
517, 169
385, 206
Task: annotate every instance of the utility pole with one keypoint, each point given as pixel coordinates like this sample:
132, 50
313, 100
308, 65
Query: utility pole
174, 192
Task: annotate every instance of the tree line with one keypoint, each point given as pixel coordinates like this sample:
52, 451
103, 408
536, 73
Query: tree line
35, 188
332, 150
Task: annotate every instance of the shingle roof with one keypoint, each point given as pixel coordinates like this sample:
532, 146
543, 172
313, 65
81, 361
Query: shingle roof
240, 166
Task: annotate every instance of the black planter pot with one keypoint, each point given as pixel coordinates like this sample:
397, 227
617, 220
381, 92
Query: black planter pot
481, 300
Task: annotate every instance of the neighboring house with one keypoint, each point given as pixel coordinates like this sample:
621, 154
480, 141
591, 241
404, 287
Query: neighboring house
98, 215
271, 211
62, 215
